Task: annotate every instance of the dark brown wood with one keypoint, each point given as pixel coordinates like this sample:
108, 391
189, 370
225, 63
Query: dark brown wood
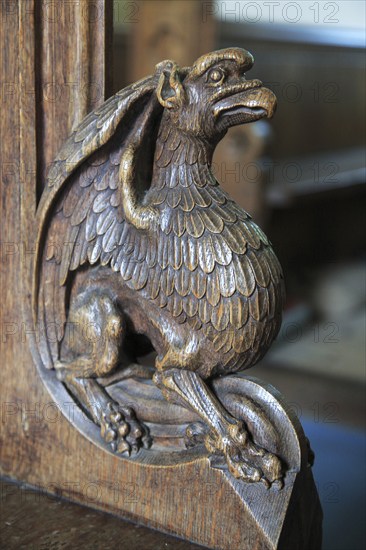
210, 307
73, 75
33, 518
38, 444
175, 260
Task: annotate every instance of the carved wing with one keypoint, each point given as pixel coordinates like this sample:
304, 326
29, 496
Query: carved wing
80, 218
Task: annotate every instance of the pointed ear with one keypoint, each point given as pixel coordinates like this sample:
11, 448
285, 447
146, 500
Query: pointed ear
169, 91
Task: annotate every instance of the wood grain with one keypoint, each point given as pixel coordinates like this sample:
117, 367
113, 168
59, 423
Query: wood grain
34, 519
38, 445
72, 71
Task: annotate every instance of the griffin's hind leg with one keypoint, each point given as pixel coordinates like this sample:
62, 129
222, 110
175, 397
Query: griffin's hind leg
224, 435
92, 351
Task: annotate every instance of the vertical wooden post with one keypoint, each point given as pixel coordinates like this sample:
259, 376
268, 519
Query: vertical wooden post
73, 68
54, 60
55, 66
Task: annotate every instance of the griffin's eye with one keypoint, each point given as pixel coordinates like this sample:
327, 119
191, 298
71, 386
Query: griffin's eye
216, 76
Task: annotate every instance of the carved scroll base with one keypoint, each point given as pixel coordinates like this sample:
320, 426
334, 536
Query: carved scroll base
190, 494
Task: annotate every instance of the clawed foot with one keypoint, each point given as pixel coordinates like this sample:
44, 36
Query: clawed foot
245, 460
120, 428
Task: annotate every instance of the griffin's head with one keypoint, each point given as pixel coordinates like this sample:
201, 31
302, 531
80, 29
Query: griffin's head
214, 94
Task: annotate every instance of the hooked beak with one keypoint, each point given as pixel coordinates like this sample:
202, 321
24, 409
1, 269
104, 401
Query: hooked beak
245, 102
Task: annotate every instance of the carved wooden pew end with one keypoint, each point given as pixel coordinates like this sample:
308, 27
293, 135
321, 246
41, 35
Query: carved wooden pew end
139, 248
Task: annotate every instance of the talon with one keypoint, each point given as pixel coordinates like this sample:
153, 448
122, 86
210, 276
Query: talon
241, 469
189, 432
116, 423
210, 444
147, 442
278, 484
110, 435
273, 466
123, 447
256, 476
244, 458
266, 483
242, 438
123, 429
136, 432
116, 417
102, 429
128, 412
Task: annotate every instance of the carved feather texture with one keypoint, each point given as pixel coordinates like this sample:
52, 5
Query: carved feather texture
207, 262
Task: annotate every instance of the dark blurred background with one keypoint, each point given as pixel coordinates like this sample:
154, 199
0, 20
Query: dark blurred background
302, 178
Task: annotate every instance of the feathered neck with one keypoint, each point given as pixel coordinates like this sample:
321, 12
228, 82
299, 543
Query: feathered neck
180, 158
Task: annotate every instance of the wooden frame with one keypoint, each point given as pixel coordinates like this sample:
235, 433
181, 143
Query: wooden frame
53, 63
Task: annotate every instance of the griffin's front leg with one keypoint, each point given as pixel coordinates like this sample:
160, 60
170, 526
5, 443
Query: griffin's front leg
226, 435
118, 423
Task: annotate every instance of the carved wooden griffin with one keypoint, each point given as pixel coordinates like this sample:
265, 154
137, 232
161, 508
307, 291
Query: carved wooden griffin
136, 237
